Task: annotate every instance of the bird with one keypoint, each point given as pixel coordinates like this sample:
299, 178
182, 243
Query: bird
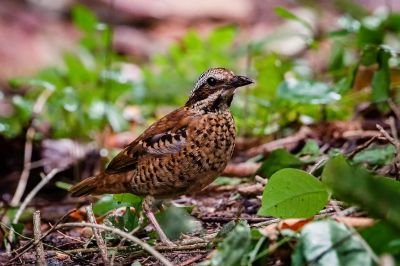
181, 153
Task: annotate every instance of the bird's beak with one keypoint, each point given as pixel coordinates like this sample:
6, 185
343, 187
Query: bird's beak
239, 81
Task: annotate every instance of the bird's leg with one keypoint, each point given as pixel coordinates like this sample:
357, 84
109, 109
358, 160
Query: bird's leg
147, 208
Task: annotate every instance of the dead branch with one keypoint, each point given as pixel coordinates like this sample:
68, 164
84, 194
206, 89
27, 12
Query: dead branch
40, 257
30, 133
395, 108
132, 238
362, 146
191, 261
241, 169
33, 242
99, 239
287, 143
196, 246
33, 193
396, 144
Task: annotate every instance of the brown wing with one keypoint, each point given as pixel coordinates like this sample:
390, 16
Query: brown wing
167, 135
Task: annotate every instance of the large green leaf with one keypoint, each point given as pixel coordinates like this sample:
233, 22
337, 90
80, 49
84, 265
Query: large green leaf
378, 195
330, 243
382, 238
292, 193
309, 92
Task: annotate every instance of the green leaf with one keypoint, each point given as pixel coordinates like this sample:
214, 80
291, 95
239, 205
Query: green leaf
369, 55
382, 238
336, 59
329, 243
376, 155
84, 18
227, 181
173, 229
283, 12
292, 193
63, 185
378, 195
115, 118
308, 92
381, 78
277, 160
127, 198
231, 251
371, 31
109, 202
310, 148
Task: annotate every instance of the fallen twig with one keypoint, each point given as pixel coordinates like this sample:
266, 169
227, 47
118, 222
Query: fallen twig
192, 260
30, 134
396, 144
395, 108
40, 257
33, 193
33, 242
241, 169
362, 146
287, 143
97, 235
199, 245
132, 238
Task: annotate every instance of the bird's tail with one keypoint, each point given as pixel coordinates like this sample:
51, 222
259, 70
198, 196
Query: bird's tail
85, 187
101, 184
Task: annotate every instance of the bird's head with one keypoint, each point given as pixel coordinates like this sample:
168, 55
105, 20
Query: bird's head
215, 88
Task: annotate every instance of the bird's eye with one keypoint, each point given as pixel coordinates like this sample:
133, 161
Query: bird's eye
212, 81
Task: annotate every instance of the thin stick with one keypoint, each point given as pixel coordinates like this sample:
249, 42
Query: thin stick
30, 133
33, 193
396, 144
32, 242
362, 147
40, 257
394, 108
200, 245
97, 235
288, 143
132, 238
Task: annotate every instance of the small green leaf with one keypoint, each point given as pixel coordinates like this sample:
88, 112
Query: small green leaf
376, 155
308, 92
127, 198
84, 18
277, 160
115, 118
173, 229
381, 79
369, 55
109, 202
292, 193
283, 12
63, 185
336, 60
329, 243
310, 148
227, 181
232, 250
